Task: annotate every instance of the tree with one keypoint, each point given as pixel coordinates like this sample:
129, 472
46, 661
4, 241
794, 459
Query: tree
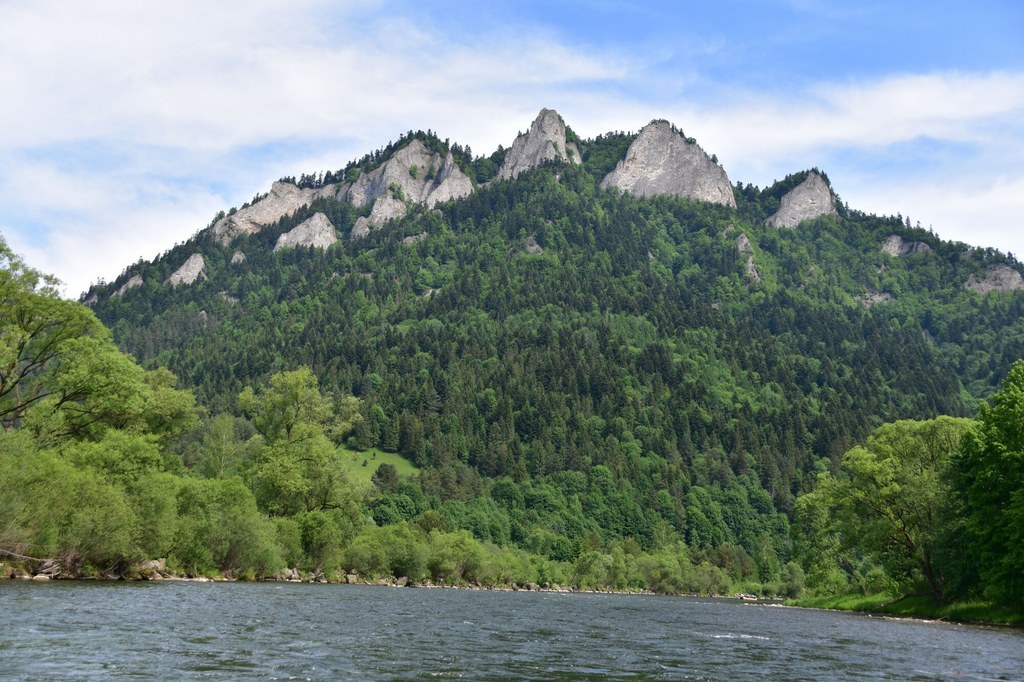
894, 498
222, 452
988, 475
296, 467
37, 331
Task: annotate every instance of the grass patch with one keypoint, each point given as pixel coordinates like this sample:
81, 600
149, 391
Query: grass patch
921, 606
361, 464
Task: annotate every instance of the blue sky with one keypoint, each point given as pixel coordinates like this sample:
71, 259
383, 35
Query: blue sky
126, 126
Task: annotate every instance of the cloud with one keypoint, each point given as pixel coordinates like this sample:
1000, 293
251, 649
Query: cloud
126, 126
946, 148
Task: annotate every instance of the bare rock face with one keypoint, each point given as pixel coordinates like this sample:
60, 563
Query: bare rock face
662, 161
531, 247
135, 281
315, 231
237, 258
413, 175
870, 298
283, 199
745, 249
413, 239
361, 228
897, 247
810, 199
544, 141
188, 273
997, 278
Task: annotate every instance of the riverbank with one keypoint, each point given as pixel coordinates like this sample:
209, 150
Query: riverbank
156, 570
920, 607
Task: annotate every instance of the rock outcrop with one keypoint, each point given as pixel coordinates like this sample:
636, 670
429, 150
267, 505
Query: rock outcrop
316, 231
531, 247
413, 175
414, 238
544, 141
237, 258
996, 278
283, 199
134, 281
662, 161
897, 247
191, 271
745, 249
870, 298
811, 199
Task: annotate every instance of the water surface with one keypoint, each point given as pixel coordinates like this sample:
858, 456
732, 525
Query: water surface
86, 630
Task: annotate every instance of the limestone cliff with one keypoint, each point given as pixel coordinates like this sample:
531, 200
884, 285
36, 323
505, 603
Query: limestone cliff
191, 271
316, 231
996, 278
283, 199
544, 141
662, 161
135, 281
413, 175
812, 198
897, 247
744, 248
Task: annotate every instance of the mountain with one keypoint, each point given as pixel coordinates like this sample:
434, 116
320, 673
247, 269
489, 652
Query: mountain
581, 341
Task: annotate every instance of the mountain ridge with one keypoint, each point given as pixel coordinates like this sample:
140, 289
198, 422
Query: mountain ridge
659, 161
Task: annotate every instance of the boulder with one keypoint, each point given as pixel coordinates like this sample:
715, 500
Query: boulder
811, 199
544, 141
237, 258
662, 161
316, 231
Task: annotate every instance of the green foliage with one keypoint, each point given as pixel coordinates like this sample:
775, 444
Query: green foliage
989, 478
891, 504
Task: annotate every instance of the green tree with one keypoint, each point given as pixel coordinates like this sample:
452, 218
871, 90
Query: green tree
296, 467
989, 478
893, 501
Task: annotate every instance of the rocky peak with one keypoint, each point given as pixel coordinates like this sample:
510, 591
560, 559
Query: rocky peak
413, 175
544, 141
188, 273
283, 199
316, 231
810, 199
996, 278
662, 161
134, 281
897, 247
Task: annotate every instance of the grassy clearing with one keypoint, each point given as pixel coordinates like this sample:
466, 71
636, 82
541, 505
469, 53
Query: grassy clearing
918, 607
360, 464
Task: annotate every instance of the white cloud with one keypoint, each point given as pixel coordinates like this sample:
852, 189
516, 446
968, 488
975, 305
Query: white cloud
126, 126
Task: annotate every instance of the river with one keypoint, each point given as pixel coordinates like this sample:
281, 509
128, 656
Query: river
171, 630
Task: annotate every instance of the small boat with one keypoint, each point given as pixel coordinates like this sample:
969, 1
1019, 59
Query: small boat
747, 597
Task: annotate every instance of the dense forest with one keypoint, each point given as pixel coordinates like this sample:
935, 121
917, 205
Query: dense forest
579, 387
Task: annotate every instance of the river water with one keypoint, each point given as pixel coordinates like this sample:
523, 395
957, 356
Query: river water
86, 630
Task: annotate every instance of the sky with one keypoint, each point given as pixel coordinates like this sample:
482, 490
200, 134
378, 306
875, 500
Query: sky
126, 126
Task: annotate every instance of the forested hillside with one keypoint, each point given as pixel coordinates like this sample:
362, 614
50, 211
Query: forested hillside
570, 367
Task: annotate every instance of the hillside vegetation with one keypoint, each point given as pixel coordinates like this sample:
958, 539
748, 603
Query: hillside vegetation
595, 389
